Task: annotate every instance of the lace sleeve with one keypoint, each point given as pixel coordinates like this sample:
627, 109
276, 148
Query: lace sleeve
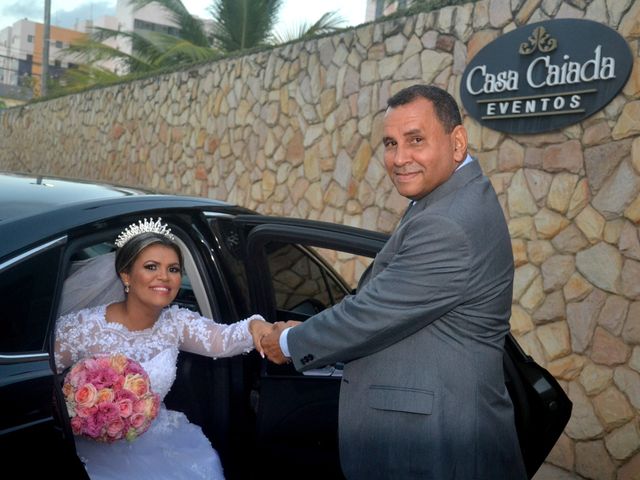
67, 341
203, 336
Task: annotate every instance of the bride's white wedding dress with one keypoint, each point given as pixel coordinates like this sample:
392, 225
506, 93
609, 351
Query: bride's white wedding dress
172, 448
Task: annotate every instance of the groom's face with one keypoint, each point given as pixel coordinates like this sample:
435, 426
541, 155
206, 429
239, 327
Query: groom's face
418, 154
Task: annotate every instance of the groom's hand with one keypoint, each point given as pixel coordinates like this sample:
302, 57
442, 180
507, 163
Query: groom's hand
270, 343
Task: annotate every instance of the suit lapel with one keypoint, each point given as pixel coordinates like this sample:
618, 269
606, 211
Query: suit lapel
458, 180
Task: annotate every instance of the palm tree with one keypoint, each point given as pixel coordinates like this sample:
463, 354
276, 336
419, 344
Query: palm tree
238, 25
245, 24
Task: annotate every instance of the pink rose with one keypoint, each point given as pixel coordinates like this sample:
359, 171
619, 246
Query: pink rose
76, 425
126, 395
102, 377
119, 363
137, 384
134, 368
86, 395
86, 412
125, 407
103, 362
107, 412
94, 427
137, 420
116, 429
105, 395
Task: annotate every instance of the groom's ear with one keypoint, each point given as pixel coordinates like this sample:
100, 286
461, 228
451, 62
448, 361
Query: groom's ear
460, 143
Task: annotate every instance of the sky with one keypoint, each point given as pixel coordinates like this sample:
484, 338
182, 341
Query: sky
64, 13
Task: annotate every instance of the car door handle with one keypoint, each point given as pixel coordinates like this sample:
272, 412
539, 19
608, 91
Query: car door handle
328, 371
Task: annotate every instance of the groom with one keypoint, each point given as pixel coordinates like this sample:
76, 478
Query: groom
423, 392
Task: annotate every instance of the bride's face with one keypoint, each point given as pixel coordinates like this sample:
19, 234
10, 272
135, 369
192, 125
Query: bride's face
155, 276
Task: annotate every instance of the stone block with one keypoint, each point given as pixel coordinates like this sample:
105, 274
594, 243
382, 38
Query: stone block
556, 271
533, 296
554, 338
539, 250
631, 469
592, 461
576, 288
628, 381
628, 123
623, 442
566, 368
552, 309
562, 453
591, 223
629, 279
561, 191
563, 157
539, 182
582, 319
520, 321
595, 378
617, 192
613, 408
613, 314
548, 224
570, 240
601, 265
583, 424
608, 349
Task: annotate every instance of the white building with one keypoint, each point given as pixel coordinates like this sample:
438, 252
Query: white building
379, 8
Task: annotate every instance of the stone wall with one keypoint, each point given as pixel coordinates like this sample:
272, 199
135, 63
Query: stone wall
297, 131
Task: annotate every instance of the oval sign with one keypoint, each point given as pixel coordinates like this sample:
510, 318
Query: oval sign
545, 76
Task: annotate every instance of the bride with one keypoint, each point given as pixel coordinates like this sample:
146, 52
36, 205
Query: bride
143, 327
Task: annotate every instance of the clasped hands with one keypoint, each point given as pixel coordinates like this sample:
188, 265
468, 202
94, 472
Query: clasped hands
266, 338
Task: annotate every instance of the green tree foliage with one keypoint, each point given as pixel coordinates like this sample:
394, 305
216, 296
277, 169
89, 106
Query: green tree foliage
243, 24
238, 25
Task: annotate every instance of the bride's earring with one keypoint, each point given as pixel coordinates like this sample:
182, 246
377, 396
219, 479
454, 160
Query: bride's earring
126, 288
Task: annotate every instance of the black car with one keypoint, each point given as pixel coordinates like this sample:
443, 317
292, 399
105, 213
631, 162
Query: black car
236, 263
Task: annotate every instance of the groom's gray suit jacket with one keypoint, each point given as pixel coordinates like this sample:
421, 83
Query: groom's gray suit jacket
423, 392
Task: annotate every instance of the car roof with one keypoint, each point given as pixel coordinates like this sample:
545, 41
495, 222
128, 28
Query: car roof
36, 208
23, 195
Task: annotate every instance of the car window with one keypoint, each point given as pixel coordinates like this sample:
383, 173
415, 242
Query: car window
300, 282
26, 296
229, 253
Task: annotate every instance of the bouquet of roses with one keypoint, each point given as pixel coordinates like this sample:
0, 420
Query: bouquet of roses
109, 398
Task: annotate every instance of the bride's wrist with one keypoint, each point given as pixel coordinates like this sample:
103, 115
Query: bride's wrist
253, 324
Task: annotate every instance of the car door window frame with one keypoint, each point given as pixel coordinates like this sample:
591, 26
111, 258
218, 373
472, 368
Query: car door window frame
28, 356
262, 288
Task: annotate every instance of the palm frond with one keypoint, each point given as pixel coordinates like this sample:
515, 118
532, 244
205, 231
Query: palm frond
243, 24
90, 52
329, 22
83, 77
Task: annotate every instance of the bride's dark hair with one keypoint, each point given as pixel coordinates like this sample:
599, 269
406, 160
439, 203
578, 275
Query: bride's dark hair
127, 254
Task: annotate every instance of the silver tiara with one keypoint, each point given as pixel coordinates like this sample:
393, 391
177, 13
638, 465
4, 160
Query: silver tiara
146, 226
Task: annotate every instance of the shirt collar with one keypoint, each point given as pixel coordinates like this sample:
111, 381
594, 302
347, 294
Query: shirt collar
467, 160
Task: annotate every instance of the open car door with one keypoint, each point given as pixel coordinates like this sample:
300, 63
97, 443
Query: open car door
297, 418
297, 413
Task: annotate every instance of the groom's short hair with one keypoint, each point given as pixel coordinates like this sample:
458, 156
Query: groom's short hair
444, 104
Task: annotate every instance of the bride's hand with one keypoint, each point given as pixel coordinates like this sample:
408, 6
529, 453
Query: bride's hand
258, 329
